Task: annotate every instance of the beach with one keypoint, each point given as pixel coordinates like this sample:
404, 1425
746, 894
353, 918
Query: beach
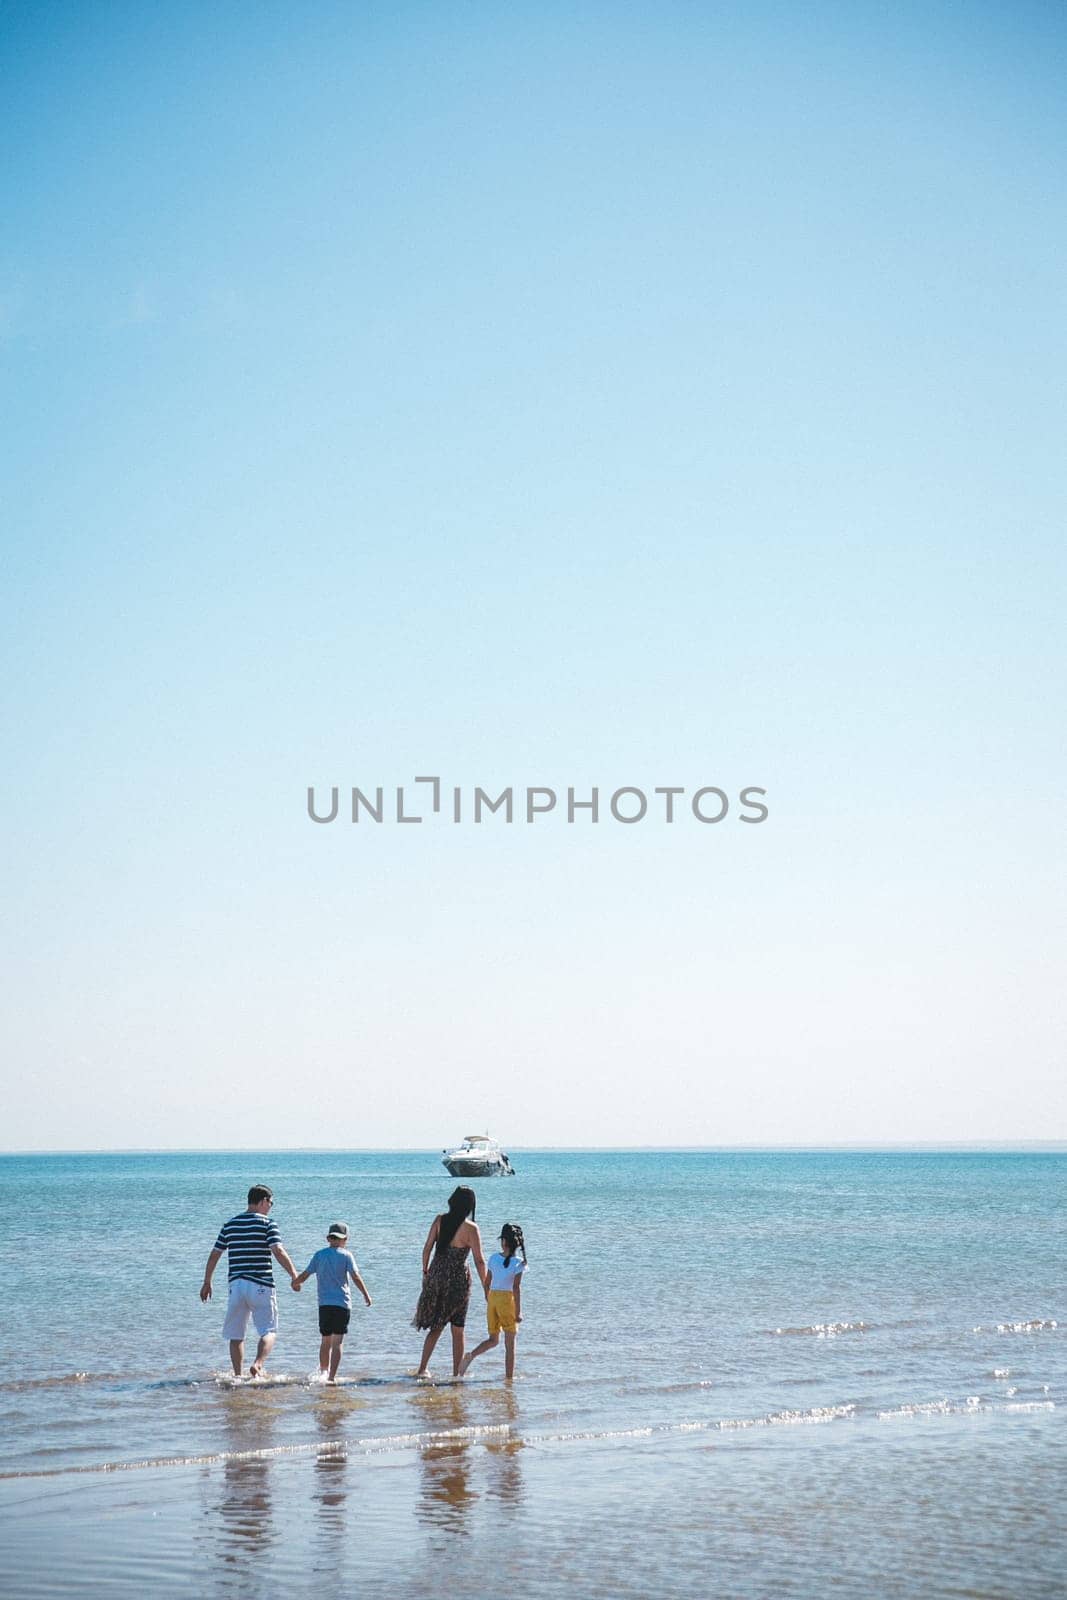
738, 1372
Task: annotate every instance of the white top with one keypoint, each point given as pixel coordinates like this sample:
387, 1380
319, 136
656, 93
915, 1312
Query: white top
501, 1276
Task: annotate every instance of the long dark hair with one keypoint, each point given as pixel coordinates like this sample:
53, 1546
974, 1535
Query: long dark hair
461, 1204
512, 1240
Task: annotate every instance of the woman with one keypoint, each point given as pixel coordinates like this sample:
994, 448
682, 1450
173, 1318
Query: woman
446, 1280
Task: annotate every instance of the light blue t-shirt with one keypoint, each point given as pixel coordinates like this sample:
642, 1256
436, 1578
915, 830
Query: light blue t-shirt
331, 1268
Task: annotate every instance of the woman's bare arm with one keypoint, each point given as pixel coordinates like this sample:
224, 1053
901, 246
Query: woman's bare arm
476, 1252
431, 1240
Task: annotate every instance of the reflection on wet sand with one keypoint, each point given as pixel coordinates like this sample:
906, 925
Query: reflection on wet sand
446, 1492
464, 1482
457, 1473
330, 1493
504, 1454
243, 1525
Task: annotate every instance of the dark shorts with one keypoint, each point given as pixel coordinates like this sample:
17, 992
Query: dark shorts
333, 1319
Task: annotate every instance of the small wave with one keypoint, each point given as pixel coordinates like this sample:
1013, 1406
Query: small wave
773, 1419
266, 1380
671, 1388
1035, 1325
608, 1433
327, 1447
778, 1419
973, 1405
1001, 1372
373, 1383
935, 1408
62, 1381
288, 1380
824, 1330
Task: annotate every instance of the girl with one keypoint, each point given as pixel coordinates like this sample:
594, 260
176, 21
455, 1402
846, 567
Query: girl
503, 1294
446, 1281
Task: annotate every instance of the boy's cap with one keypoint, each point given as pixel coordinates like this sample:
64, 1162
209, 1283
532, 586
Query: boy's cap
337, 1230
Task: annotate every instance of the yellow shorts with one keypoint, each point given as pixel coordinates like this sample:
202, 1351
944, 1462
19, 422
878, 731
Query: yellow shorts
500, 1312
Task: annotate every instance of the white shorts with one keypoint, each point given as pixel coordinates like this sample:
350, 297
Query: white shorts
257, 1300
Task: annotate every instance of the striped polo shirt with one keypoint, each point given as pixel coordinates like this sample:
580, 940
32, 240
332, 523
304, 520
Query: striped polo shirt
248, 1239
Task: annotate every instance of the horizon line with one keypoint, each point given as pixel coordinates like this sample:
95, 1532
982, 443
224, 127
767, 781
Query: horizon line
930, 1146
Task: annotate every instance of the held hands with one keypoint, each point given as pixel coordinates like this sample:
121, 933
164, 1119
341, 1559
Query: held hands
295, 1285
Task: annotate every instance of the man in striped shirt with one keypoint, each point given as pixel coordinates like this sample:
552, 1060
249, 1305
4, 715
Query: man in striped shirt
251, 1239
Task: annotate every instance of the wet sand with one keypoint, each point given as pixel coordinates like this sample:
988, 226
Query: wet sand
794, 1510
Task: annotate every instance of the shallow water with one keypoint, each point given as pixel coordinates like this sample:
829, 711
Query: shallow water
736, 1372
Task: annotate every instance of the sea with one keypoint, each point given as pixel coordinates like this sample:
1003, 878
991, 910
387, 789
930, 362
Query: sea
740, 1374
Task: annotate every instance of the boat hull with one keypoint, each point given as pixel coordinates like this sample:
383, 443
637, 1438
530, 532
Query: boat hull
472, 1167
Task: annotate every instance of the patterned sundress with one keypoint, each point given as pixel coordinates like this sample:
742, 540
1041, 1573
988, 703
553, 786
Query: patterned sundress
446, 1291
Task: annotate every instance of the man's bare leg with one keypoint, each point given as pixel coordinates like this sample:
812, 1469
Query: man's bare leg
458, 1341
266, 1345
336, 1344
237, 1356
509, 1355
479, 1350
324, 1355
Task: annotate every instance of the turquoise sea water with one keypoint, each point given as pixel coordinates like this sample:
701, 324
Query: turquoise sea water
738, 1373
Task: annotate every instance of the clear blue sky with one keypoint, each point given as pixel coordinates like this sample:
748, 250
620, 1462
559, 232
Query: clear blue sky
607, 394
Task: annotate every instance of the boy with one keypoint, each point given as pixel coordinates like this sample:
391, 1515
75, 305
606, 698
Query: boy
332, 1268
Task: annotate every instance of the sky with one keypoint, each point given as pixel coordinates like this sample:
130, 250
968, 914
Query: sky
579, 395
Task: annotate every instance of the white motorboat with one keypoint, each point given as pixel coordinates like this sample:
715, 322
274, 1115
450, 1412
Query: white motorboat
477, 1157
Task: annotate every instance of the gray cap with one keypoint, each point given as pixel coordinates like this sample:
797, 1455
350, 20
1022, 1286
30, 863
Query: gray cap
337, 1230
